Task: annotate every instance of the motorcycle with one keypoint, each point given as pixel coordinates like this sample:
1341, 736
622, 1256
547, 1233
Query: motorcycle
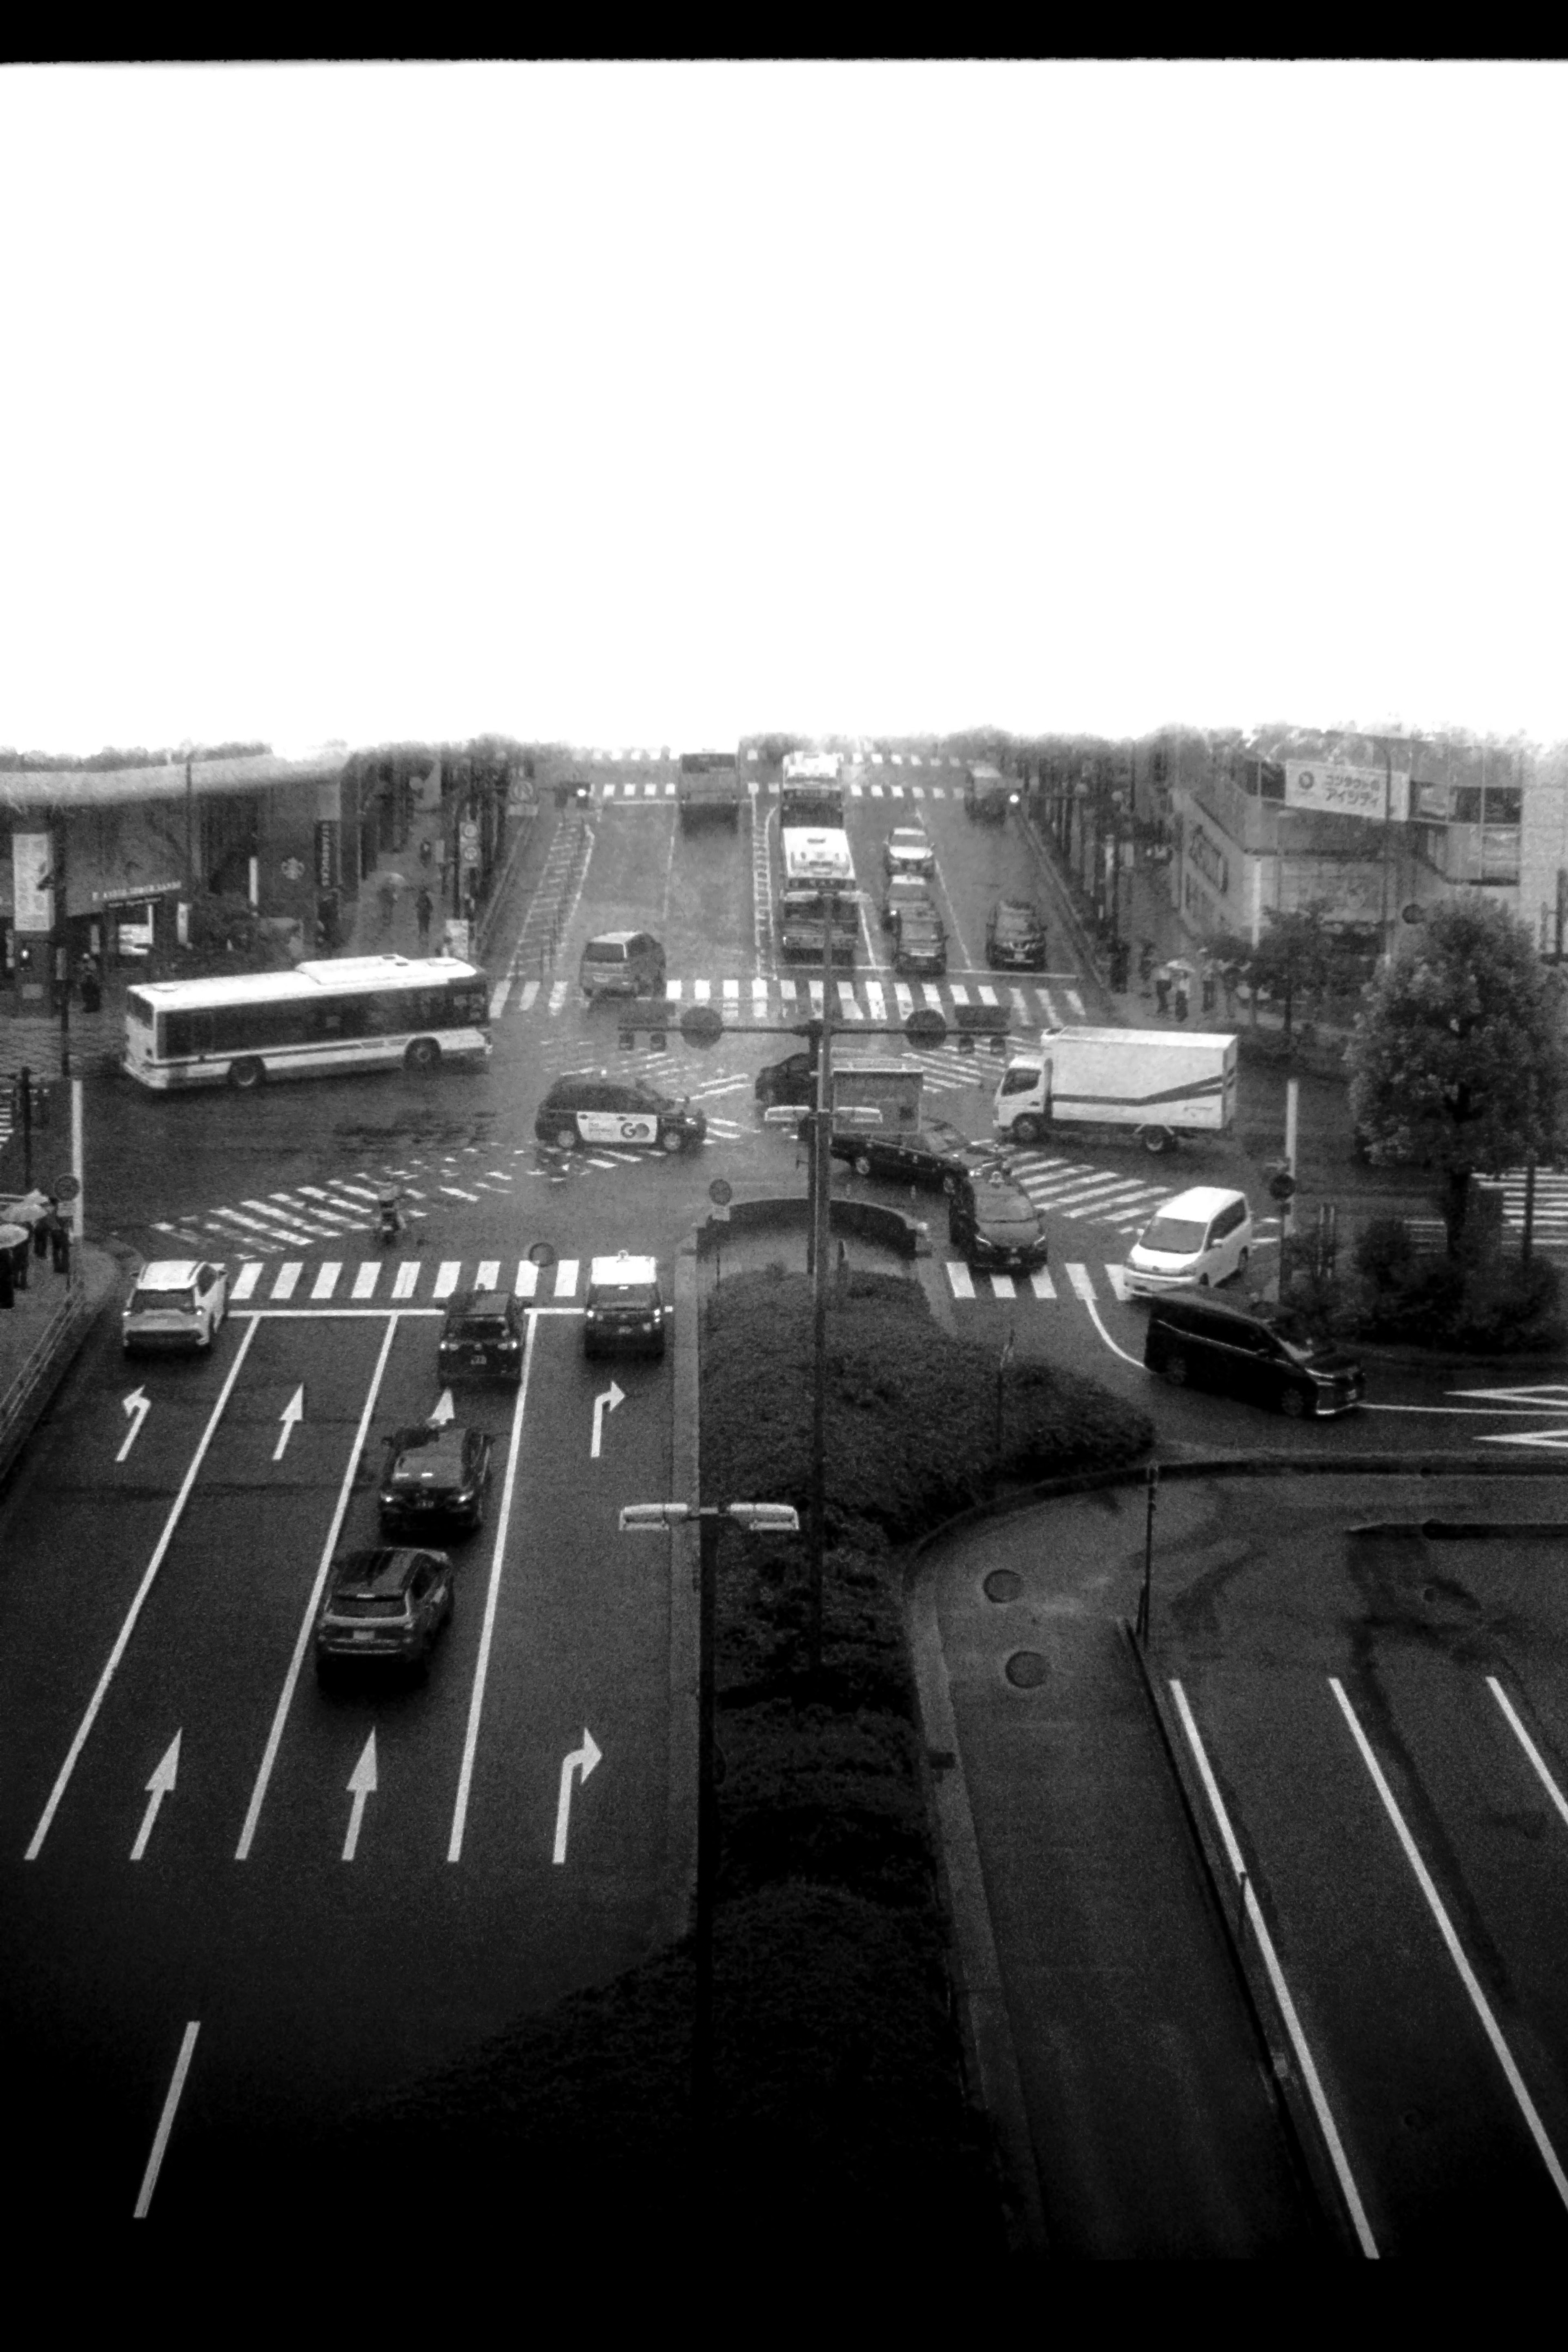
389, 1224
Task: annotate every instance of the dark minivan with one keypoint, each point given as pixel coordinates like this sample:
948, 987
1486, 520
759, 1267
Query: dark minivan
1204, 1343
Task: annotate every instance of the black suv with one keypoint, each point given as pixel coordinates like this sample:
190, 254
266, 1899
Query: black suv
995, 1224
1208, 1344
384, 1607
1015, 937
590, 1106
793, 1080
482, 1337
438, 1471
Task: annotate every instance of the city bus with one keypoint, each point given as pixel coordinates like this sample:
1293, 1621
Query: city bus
816, 889
354, 1012
810, 792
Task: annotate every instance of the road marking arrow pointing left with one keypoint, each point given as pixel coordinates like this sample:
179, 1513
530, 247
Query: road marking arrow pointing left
582, 1761
137, 1405
361, 1784
611, 1398
158, 1787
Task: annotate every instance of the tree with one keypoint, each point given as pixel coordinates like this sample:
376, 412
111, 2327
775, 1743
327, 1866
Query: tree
1295, 956
1459, 1057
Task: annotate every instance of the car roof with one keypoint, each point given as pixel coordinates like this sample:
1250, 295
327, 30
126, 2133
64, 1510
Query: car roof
428, 1435
1202, 1200
613, 938
1024, 909
623, 1267
383, 1570
909, 833
170, 1274
1189, 1303
490, 1303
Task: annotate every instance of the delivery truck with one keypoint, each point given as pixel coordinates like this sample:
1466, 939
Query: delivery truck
1154, 1083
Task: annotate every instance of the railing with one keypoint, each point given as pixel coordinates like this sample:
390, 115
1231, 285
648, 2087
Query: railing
14, 1401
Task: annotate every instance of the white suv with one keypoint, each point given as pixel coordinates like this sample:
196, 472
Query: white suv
1199, 1238
178, 1302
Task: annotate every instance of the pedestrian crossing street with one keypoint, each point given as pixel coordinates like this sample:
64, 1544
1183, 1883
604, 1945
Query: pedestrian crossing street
395, 1282
1035, 1004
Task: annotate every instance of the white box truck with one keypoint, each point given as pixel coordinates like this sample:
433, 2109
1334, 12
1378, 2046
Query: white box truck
1158, 1083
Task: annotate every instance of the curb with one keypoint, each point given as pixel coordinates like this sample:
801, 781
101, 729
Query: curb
34, 1388
674, 1910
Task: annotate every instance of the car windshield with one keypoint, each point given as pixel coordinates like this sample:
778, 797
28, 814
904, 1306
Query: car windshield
141, 1301
622, 1293
1175, 1237
481, 1326
1010, 1213
605, 952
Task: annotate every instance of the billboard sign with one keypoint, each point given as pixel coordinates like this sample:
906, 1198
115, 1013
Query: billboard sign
33, 907
1347, 791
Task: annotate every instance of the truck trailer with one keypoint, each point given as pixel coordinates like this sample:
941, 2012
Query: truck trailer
1154, 1083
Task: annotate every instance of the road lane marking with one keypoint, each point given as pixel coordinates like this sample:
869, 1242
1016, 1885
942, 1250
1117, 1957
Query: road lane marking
446, 1278
1079, 1275
578, 1764
1002, 1286
285, 1695
366, 1276
487, 1277
326, 1280
137, 1405
1040, 1283
959, 1279
142, 1590
527, 1278
245, 1280
1117, 1278
166, 2120
292, 1414
1264, 1942
405, 1282
361, 1786
1466, 1975
492, 1597
567, 1277
288, 1279
160, 1786
1529, 1745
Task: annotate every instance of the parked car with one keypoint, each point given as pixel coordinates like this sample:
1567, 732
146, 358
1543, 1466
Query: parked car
1016, 937
383, 1608
1199, 1238
920, 942
995, 1224
590, 1106
177, 1303
621, 963
936, 1156
793, 1080
625, 1313
482, 1337
436, 1472
907, 850
1208, 1343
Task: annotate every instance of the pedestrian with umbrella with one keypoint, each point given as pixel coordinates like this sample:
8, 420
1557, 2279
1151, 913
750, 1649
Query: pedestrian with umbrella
1162, 989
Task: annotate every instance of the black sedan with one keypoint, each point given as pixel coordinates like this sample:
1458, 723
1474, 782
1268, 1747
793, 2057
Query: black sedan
935, 1155
435, 1473
995, 1224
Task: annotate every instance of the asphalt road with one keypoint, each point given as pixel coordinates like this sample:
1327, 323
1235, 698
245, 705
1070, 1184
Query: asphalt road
166, 1590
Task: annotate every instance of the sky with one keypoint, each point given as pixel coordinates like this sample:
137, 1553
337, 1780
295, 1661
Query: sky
642, 405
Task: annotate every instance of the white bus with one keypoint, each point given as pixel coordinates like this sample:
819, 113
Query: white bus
810, 792
356, 1013
816, 889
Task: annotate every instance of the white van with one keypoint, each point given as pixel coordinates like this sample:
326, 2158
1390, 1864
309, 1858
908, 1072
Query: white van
1194, 1240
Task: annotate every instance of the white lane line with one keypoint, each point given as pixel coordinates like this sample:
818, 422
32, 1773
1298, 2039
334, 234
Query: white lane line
366, 1276
1265, 1945
326, 1280
1079, 1277
245, 1280
1541, 1772
488, 1277
142, 1590
405, 1282
307, 1622
1466, 1975
166, 2120
288, 1279
566, 1278
492, 1597
446, 1278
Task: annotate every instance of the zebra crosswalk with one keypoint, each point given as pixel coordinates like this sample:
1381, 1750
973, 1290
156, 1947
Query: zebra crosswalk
1078, 1190
789, 996
1549, 1217
398, 1282
965, 1284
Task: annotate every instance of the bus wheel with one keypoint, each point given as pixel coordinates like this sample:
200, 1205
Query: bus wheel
244, 1075
1026, 1130
423, 1055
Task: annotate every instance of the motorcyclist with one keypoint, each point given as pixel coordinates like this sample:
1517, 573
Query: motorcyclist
388, 1219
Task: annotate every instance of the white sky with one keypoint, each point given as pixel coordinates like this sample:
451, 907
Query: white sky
640, 404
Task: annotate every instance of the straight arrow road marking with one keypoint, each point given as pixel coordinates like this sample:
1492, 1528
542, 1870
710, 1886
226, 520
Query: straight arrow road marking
292, 1415
361, 1784
138, 1405
158, 1786
579, 1762
445, 1411
604, 1403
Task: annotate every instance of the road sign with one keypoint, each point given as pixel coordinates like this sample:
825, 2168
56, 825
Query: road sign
1281, 1187
700, 1024
720, 1192
66, 1188
925, 1027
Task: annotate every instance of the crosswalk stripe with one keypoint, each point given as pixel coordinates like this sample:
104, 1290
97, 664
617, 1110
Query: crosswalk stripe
566, 1278
1079, 1276
1002, 1285
958, 1274
527, 1278
530, 991
288, 1279
406, 1279
326, 1280
488, 1274
1040, 1283
245, 1280
366, 1279
1117, 1278
446, 1278
732, 992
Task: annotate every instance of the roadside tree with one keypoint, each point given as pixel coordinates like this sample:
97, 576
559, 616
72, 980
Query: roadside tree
1459, 1058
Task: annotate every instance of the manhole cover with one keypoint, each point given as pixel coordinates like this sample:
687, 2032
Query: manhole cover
1026, 1669
1004, 1584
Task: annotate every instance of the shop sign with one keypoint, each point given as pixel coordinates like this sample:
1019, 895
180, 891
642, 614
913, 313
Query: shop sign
327, 874
1368, 792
